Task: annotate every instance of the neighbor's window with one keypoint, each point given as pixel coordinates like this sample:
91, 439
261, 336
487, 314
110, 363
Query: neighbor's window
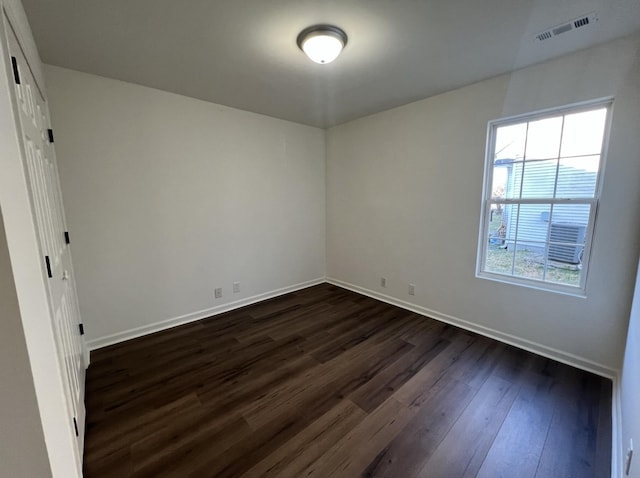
542, 185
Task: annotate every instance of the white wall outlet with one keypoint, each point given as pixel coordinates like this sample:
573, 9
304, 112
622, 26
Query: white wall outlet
629, 456
412, 289
218, 292
383, 282
236, 287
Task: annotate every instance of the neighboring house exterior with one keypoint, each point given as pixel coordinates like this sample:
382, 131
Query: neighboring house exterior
569, 222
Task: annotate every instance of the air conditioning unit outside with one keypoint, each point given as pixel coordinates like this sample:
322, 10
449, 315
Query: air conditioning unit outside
568, 233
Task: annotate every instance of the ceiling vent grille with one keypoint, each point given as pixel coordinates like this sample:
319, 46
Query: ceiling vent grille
544, 36
580, 22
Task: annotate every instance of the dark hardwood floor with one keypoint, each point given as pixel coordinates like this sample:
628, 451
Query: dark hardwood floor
328, 383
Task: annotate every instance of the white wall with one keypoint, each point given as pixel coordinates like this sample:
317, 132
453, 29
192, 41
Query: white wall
168, 197
403, 201
22, 447
630, 385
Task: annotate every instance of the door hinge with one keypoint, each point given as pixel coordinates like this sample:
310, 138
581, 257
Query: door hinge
48, 262
16, 73
50, 131
66, 237
81, 326
75, 426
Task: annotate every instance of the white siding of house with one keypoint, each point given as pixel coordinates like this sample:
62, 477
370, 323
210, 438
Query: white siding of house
538, 182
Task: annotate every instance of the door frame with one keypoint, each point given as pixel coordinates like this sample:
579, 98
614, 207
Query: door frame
21, 235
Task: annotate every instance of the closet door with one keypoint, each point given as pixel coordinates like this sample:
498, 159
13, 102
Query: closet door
48, 215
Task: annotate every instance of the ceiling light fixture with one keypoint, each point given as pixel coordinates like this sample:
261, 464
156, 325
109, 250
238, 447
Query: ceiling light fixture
322, 43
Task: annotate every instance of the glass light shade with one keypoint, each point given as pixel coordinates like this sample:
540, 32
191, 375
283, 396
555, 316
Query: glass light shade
322, 47
322, 43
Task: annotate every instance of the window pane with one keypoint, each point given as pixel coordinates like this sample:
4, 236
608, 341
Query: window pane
497, 226
568, 234
529, 261
563, 274
566, 243
543, 138
583, 133
577, 177
576, 214
509, 220
539, 178
512, 173
510, 141
498, 259
532, 224
499, 183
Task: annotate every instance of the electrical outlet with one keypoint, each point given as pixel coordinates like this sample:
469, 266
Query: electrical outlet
383, 282
412, 289
236, 287
627, 464
218, 292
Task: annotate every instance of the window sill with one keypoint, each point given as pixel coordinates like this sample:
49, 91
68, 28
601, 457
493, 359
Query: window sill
537, 285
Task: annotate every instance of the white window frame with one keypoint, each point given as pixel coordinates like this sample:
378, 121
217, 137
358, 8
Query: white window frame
581, 289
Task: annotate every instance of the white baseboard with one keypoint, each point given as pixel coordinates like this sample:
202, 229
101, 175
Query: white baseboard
198, 315
539, 349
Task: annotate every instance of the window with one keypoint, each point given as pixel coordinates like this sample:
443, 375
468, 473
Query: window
542, 185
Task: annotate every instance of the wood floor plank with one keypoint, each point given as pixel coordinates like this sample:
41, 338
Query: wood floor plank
115, 433
478, 362
311, 389
172, 382
190, 452
602, 466
407, 453
180, 444
142, 344
383, 385
260, 443
465, 447
335, 320
114, 462
381, 328
351, 454
321, 334
570, 448
310, 444
274, 324
417, 389
521, 438
330, 383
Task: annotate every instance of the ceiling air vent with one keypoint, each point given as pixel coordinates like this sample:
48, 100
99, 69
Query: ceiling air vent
544, 36
580, 22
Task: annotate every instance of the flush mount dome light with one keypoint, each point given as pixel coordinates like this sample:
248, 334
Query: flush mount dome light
322, 43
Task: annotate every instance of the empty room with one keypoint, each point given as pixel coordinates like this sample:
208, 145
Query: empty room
320, 238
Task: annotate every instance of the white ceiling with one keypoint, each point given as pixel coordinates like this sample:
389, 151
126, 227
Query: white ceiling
243, 53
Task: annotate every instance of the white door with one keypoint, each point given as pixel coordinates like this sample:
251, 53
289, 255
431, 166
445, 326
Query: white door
46, 205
